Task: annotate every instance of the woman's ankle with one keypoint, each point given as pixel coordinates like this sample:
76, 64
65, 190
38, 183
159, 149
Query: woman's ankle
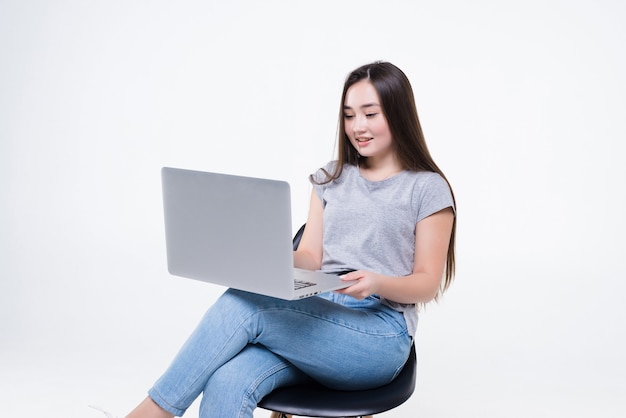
149, 409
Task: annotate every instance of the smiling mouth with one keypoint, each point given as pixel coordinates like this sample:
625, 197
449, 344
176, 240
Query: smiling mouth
361, 140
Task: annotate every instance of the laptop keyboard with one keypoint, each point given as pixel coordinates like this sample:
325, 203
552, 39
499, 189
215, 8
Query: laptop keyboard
301, 284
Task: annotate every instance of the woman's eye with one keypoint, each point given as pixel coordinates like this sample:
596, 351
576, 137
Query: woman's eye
348, 116
370, 115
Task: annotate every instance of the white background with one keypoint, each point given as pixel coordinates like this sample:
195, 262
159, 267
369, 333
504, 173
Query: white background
522, 104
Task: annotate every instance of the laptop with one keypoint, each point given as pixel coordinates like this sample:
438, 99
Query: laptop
235, 231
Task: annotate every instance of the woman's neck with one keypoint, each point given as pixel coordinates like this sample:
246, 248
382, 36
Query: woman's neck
376, 170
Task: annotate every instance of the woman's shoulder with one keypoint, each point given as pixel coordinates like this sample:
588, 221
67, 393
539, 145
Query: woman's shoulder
427, 179
331, 169
323, 173
425, 175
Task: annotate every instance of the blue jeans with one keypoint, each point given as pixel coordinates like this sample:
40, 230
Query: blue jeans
246, 345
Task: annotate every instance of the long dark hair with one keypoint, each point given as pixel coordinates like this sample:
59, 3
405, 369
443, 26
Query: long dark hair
398, 106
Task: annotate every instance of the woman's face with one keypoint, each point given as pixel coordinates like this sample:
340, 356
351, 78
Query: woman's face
365, 124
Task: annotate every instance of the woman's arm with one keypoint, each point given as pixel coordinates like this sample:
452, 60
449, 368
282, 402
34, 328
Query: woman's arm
431, 249
309, 253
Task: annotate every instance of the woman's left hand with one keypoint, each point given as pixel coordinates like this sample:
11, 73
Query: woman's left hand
366, 284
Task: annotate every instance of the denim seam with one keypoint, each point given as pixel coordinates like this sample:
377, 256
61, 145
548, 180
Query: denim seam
333, 321
240, 325
164, 404
255, 385
192, 384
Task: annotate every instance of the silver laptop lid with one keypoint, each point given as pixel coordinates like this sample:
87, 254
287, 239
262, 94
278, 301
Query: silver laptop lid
229, 230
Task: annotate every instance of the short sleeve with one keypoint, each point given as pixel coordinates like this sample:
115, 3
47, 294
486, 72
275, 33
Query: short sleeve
430, 195
319, 178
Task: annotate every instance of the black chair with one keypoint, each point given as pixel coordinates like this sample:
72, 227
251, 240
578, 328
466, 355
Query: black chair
315, 400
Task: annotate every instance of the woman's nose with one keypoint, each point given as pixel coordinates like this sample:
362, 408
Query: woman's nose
359, 124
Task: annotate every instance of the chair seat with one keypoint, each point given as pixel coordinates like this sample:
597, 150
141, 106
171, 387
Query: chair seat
313, 400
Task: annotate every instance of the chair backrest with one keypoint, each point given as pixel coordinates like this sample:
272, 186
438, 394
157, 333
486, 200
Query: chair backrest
298, 237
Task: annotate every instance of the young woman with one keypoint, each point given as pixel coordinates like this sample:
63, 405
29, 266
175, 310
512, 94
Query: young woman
384, 213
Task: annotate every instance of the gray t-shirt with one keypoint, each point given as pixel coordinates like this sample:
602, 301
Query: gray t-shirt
370, 225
